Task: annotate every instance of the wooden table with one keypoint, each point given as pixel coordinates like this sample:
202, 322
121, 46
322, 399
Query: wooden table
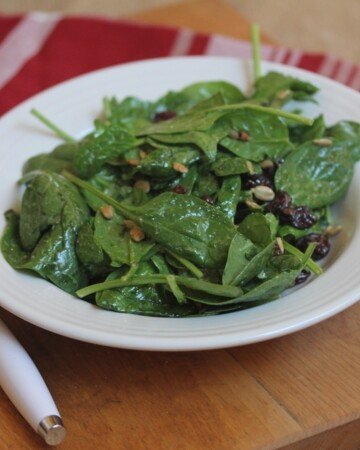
301, 391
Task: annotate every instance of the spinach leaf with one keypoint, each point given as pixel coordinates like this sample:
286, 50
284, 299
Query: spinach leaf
276, 89
228, 165
207, 140
183, 224
53, 258
94, 153
89, 252
160, 163
259, 228
201, 91
112, 236
245, 260
241, 250
141, 299
206, 184
228, 195
349, 133
108, 180
49, 199
268, 136
316, 176
59, 159
301, 133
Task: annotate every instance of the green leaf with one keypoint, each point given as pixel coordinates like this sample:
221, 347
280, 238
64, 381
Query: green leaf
228, 165
349, 133
316, 176
206, 184
48, 200
109, 182
276, 89
302, 133
228, 195
59, 159
259, 228
114, 239
241, 251
94, 153
207, 140
145, 300
53, 258
268, 136
159, 163
203, 90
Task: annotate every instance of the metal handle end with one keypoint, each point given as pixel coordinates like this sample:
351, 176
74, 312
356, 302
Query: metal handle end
52, 429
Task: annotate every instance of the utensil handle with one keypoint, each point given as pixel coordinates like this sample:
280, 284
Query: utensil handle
25, 387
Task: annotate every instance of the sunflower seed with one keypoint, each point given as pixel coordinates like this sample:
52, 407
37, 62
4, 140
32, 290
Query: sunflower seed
263, 193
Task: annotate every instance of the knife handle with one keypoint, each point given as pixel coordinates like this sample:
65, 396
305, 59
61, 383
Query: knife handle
25, 387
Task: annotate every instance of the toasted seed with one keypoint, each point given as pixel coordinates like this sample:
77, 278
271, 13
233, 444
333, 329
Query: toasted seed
282, 95
250, 167
251, 204
267, 164
280, 245
137, 234
244, 136
129, 224
144, 185
233, 134
133, 162
107, 211
263, 193
323, 142
332, 231
180, 167
142, 154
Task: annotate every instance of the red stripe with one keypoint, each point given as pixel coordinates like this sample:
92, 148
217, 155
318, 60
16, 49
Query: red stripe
7, 24
352, 75
199, 44
287, 57
311, 61
336, 69
81, 45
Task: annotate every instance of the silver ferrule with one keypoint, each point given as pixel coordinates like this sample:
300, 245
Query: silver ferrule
52, 429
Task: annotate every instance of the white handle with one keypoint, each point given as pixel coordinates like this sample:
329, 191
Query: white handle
23, 384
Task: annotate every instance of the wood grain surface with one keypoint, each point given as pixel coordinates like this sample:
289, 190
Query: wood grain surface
300, 391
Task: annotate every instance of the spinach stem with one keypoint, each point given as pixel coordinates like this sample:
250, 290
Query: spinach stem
107, 199
133, 269
268, 110
256, 48
58, 131
309, 263
186, 263
191, 283
178, 293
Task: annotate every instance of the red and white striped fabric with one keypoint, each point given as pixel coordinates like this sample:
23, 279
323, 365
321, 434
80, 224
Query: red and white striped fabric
40, 49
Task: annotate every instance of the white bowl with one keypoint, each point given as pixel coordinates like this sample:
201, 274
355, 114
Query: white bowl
73, 105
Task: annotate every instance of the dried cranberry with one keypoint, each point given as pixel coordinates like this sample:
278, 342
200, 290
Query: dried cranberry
208, 199
164, 115
322, 248
302, 277
179, 189
281, 201
300, 217
257, 179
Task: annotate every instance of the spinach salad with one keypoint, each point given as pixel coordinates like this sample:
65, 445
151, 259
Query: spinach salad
202, 202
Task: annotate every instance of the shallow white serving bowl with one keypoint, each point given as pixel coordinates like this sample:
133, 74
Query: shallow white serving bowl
73, 105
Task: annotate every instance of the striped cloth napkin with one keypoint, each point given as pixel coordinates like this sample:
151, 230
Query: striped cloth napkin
41, 49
